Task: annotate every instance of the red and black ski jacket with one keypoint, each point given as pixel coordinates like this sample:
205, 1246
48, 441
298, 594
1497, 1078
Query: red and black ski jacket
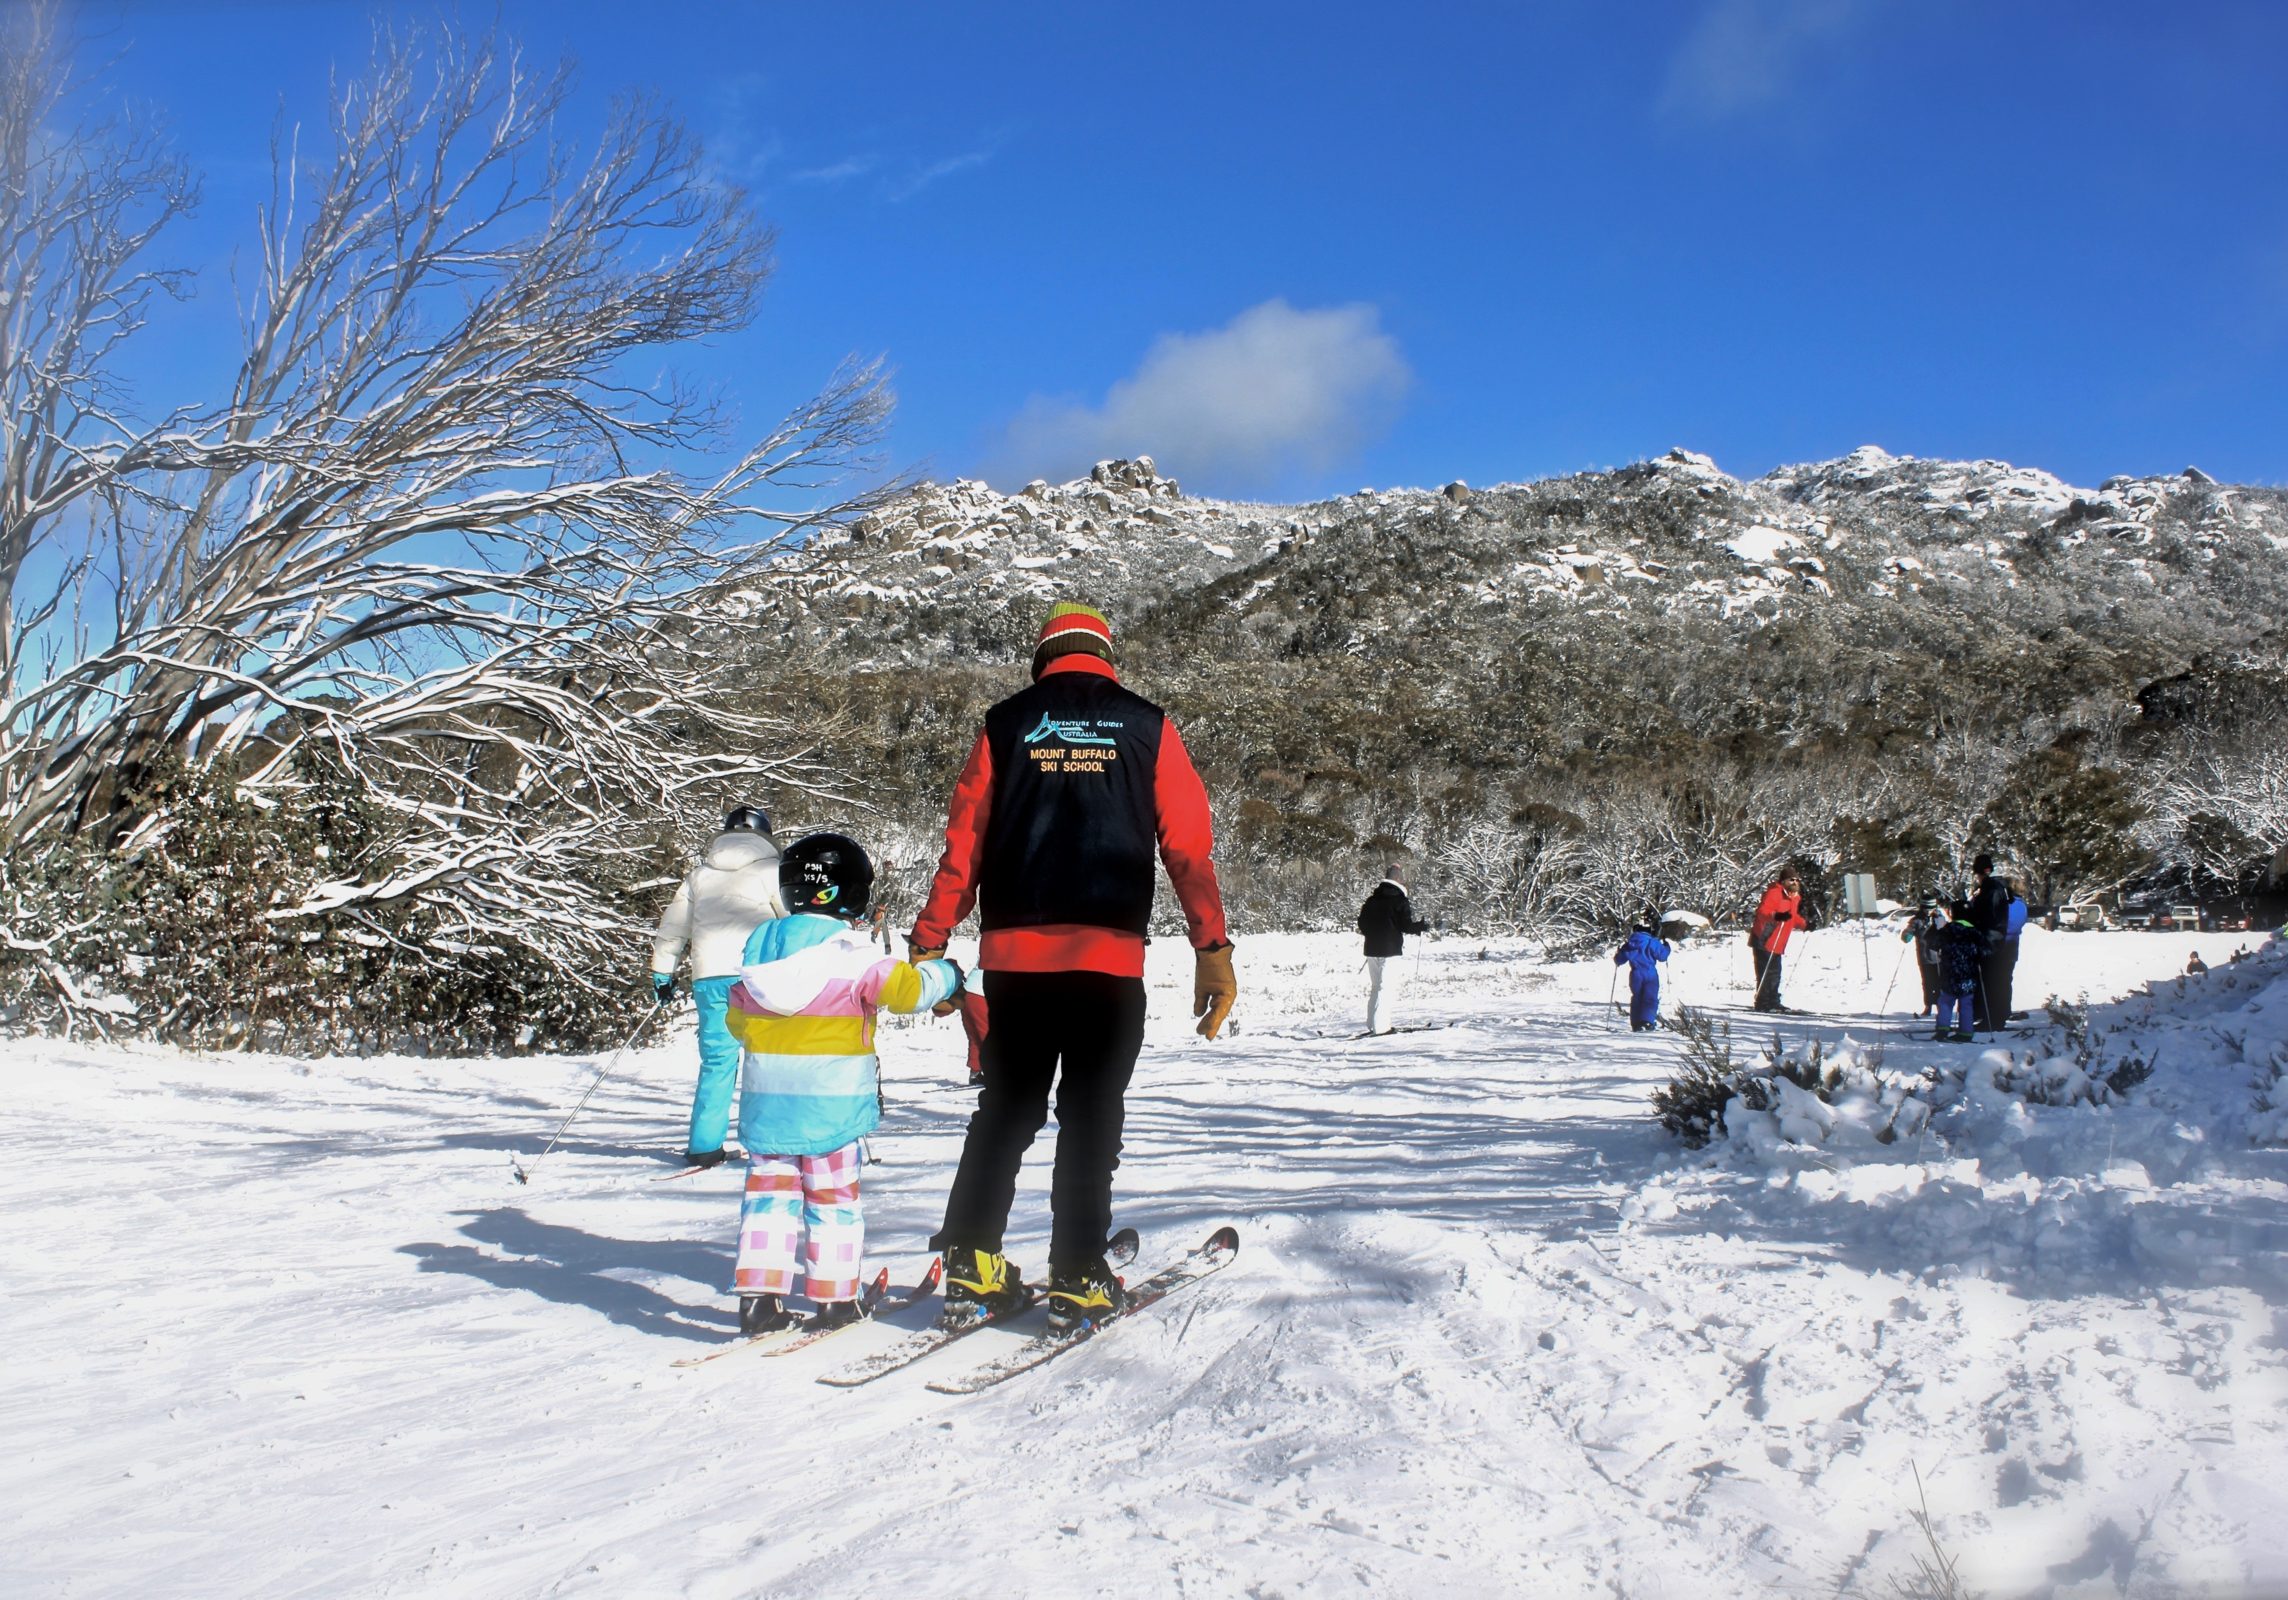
1777, 915
1073, 788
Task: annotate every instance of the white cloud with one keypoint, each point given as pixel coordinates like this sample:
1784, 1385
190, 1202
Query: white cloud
836, 172
922, 177
1273, 392
738, 150
1746, 54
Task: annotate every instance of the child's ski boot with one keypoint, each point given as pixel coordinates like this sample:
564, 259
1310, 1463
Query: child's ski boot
763, 1313
833, 1314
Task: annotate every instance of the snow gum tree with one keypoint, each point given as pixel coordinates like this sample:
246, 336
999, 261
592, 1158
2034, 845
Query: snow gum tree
2070, 822
426, 552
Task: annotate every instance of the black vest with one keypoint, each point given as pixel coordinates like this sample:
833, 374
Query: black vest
1074, 833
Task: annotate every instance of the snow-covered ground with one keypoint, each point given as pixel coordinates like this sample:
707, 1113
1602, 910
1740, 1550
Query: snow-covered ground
288, 1328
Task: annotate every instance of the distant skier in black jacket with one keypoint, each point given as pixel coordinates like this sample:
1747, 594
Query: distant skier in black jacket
1990, 915
1385, 921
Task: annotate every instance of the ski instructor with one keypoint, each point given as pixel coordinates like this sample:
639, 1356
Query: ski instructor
1070, 790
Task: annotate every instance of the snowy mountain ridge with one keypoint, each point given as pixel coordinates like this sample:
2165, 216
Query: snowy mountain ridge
960, 566
1661, 661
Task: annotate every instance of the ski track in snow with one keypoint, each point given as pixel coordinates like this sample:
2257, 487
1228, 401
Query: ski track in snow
291, 1329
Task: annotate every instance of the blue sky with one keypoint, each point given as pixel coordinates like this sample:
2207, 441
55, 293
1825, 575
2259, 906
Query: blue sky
1298, 249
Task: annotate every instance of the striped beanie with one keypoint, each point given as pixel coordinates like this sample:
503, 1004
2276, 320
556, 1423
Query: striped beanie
1072, 628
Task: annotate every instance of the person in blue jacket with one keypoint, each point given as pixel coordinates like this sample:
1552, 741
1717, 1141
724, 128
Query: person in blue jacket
2013, 926
1644, 952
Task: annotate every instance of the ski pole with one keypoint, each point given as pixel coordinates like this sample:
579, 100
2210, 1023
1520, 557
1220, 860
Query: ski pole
1613, 988
1885, 1008
524, 1173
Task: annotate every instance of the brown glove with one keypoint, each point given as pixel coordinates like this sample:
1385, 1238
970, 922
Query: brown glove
917, 955
1214, 988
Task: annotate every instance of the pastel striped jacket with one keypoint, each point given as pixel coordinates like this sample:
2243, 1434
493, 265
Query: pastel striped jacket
803, 1012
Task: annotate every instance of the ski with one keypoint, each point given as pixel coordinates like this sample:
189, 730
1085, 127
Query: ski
797, 1333
807, 1337
1118, 1251
1412, 1027
1211, 1257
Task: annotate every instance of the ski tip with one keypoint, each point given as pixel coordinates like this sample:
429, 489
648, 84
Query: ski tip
1223, 1241
1126, 1239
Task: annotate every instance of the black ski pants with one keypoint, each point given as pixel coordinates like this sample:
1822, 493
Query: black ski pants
1768, 964
1997, 972
1093, 1025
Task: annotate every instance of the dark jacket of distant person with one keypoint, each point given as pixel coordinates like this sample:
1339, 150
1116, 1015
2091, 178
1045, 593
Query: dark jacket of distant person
1387, 918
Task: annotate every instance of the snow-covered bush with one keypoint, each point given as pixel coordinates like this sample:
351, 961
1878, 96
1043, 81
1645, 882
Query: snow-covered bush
1691, 1104
199, 935
2050, 1084
1846, 1098
1796, 1089
1793, 1085
2270, 1124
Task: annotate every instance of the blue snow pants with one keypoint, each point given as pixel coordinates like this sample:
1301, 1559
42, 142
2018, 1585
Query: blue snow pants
718, 1065
1644, 1001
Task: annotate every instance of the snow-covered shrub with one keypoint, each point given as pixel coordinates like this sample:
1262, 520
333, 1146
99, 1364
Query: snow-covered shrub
1794, 1085
1691, 1104
1937, 1573
1809, 1092
2046, 1080
2269, 1125
198, 936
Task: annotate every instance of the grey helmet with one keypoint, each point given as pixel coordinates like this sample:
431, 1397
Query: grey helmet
749, 818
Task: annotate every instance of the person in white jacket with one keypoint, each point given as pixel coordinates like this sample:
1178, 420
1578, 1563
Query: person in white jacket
733, 891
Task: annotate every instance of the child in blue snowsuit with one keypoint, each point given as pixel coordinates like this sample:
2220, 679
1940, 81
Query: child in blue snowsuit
1644, 953
1961, 952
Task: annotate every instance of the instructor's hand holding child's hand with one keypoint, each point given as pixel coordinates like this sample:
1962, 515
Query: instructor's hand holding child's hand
916, 955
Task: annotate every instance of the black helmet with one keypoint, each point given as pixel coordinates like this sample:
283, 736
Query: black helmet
826, 873
748, 818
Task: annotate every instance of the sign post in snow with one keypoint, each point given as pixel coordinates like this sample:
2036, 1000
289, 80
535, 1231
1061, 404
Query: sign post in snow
1859, 901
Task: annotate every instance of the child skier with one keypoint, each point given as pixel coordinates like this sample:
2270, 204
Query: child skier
804, 1011
1644, 952
1962, 950
1923, 930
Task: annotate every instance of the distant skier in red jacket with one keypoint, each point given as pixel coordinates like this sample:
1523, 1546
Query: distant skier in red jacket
1778, 914
1072, 789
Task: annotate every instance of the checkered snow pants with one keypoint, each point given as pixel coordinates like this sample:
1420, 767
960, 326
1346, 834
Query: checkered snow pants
787, 1197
